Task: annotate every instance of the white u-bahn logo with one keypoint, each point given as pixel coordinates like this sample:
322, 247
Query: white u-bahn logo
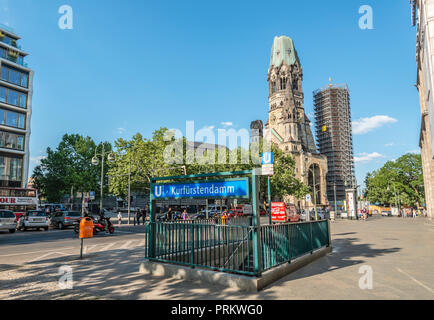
158, 191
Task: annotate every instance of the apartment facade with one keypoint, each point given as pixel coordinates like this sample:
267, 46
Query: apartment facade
16, 90
423, 18
334, 138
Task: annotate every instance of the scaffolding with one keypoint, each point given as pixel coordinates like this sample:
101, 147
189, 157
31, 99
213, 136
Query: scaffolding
334, 137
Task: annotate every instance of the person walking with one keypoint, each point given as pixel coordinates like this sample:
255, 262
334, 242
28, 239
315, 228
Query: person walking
143, 215
138, 216
184, 215
119, 217
169, 214
414, 212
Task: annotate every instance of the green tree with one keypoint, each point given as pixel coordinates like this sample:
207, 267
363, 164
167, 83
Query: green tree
69, 165
397, 181
163, 145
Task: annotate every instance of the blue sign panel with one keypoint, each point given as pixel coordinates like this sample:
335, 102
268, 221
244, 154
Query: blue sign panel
267, 158
231, 188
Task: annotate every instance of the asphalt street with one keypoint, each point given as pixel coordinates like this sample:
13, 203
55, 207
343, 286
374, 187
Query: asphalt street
30, 246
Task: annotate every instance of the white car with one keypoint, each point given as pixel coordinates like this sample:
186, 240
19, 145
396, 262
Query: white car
34, 219
8, 221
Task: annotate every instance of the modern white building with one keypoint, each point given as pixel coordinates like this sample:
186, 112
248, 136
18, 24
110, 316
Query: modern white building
16, 90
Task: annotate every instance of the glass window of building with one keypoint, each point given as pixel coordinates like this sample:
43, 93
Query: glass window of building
24, 80
11, 119
23, 100
2, 94
12, 97
14, 76
11, 141
2, 168
20, 142
4, 74
11, 169
21, 121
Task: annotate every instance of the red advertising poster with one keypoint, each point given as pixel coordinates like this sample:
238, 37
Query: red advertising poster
278, 212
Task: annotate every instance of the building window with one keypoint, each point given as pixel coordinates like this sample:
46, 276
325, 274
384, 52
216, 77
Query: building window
14, 76
2, 94
282, 83
13, 97
11, 168
11, 140
273, 86
12, 119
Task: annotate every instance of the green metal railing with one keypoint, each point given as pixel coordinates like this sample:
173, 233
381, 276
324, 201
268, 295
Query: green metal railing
230, 247
285, 242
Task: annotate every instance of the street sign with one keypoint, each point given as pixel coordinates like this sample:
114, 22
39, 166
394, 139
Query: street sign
267, 164
267, 158
92, 195
267, 169
308, 198
229, 188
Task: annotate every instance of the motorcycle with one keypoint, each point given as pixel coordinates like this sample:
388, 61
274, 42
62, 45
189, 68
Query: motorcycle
98, 226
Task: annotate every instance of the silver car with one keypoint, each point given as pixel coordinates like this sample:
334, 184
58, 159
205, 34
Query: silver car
63, 219
8, 221
34, 219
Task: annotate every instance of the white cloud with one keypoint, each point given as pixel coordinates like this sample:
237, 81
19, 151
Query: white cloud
389, 144
37, 159
121, 130
208, 128
227, 124
367, 157
365, 125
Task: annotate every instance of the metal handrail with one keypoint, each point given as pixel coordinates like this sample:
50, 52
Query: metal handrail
236, 249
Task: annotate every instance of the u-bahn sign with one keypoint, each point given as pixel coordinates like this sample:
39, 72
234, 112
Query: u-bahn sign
228, 188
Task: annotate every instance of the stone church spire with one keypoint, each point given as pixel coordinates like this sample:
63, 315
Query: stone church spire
289, 125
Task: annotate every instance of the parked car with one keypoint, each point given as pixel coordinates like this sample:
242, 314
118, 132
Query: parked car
8, 221
63, 219
33, 219
386, 213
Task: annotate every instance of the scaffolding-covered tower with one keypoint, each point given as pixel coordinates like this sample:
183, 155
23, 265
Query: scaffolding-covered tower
334, 138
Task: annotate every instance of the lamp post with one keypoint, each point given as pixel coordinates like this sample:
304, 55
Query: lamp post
95, 162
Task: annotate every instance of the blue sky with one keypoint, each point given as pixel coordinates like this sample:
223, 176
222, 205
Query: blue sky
134, 66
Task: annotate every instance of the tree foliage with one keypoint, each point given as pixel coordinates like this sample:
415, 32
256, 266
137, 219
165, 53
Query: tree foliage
69, 165
399, 181
141, 153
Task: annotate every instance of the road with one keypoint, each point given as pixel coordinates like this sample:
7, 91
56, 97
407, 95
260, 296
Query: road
30, 246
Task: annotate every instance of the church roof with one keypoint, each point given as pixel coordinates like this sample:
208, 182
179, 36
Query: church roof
283, 50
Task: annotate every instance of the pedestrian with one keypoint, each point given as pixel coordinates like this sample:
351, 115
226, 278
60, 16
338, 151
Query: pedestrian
224, 216
414, 213
169, 214
138, 216
184, 215
143, 215
119, 217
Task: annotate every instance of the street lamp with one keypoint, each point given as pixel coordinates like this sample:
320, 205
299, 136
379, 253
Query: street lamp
95, 162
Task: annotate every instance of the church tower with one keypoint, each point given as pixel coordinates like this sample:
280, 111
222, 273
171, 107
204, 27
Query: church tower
288, 125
